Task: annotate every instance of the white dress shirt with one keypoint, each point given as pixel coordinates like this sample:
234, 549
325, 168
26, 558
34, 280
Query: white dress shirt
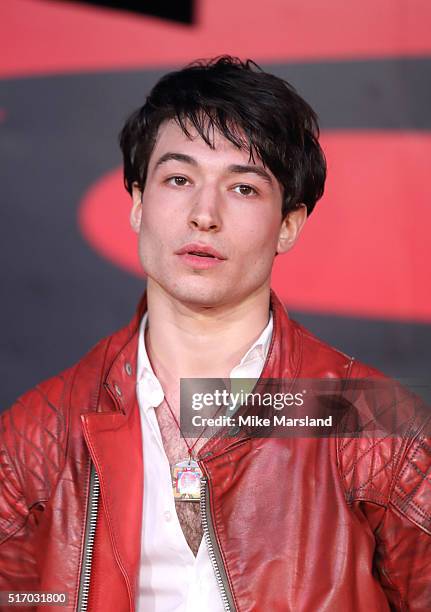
171, 578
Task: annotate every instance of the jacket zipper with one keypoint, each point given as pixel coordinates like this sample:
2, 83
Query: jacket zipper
213, 549
90, 532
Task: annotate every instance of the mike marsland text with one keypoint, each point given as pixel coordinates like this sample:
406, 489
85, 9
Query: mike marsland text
277, 420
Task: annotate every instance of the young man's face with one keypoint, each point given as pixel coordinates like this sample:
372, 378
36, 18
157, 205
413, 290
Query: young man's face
215, 198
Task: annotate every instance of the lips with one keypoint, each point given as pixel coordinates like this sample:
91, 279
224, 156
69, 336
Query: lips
199, 256
200, 250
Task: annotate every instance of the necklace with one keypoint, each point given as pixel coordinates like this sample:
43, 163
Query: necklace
186, 474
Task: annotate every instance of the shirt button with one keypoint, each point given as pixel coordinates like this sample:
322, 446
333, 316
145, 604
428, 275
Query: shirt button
128, 369
167, 515
117, 390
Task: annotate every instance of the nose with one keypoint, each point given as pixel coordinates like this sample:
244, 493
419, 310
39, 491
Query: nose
205, 214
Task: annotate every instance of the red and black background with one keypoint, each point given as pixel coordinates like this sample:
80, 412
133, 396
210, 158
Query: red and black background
70, 73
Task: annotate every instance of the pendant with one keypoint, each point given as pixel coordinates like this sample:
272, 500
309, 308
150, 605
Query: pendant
186, 480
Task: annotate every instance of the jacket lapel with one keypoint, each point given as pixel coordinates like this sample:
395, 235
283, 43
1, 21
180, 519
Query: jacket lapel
114, 439
115, 445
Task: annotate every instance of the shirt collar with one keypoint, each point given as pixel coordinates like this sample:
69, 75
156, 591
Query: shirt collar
255, 357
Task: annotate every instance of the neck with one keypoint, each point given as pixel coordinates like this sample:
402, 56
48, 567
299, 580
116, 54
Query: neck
186, 341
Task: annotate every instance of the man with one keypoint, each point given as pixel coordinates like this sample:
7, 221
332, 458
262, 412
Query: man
223, 166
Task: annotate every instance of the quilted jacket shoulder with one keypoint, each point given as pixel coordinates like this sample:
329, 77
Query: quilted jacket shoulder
34, 437
33, 441
384, 450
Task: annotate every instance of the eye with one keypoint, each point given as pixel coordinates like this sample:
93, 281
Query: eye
245, 190
178, 181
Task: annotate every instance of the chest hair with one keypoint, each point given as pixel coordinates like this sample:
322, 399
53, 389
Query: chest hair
176, 450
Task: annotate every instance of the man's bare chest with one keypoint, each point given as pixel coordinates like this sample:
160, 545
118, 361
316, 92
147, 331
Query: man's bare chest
177, 450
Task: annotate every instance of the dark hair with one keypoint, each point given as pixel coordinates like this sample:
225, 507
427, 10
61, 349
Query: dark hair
251, 108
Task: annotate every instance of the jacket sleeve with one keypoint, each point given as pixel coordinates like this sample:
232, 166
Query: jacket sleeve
403, 555
386, 474
16, 547
32, 435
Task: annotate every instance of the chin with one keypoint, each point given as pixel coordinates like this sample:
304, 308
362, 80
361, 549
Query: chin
196, 295
197, 298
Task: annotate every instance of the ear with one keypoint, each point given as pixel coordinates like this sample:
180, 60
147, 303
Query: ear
290, 228
136, 212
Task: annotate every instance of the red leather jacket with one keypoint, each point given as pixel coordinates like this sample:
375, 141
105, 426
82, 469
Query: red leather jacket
294, 524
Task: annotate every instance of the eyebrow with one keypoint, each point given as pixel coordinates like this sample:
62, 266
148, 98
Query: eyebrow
181, 157
233, 168
251, 169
